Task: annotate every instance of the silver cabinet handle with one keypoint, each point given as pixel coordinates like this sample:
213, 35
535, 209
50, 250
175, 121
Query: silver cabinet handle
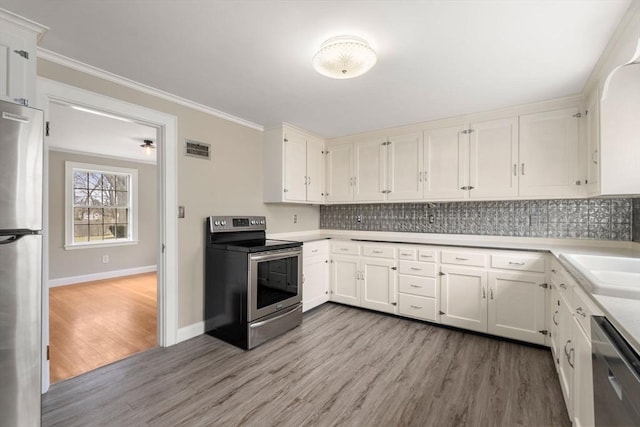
563, 286
405, 254
484, 293
566, 352
491, 293
426, 256
309, 181
420, 176
344, 249
515, 170
553, 270
462, 259
516, 263
554, 318
377, 252
415, 286
314, 251
581, 312
417, 307
569, 356
522, 169
416, 269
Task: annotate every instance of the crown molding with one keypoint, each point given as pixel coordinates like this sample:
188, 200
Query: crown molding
123, 81
11, 18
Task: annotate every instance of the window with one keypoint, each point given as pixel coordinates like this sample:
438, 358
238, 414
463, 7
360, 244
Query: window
101, 205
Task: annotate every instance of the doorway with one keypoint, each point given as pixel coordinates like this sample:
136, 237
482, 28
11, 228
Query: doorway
166, 251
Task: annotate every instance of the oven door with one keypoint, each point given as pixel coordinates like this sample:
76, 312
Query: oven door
275, 281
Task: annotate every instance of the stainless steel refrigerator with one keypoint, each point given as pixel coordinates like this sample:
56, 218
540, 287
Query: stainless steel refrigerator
21, 150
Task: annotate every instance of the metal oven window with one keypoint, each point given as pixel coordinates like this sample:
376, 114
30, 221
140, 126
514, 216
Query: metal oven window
277, 281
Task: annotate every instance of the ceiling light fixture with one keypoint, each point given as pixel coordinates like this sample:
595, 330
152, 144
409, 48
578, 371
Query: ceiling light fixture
344, 57
148, 146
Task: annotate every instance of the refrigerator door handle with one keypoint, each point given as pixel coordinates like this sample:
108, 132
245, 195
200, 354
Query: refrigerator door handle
6, 240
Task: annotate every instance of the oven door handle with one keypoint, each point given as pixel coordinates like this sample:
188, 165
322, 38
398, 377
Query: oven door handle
263, 322
285, 253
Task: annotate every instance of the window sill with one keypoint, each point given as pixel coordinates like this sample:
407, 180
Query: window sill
94, 245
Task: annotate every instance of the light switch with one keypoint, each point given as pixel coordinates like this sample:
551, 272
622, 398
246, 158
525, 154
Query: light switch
180, 211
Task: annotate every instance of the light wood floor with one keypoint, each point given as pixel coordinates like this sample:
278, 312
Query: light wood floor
96, 323
343, 366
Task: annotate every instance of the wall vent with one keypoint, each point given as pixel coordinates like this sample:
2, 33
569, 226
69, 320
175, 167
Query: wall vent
197, 149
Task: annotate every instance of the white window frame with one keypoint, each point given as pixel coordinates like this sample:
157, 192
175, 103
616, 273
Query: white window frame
70, 169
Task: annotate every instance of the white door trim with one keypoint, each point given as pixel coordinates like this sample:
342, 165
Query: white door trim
48, 90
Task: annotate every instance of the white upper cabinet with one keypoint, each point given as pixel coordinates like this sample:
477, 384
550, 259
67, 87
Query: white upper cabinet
493, 159
446, 158
549, 153
370, 169
18, 40
591, 146
339, 181
293, 166
404, 180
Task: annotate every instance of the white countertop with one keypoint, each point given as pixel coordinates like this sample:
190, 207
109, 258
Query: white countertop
623, 313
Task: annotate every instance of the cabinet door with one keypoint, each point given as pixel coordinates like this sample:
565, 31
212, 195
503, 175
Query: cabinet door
315, 170
345, 282
463, 298
315, 286
339, 183
583, 414
379, 285
405, 167
493, 159
446, 166
554, 325
549, 153
566, 354
592, 145
516, 306
295, 166
17, 73
370, 171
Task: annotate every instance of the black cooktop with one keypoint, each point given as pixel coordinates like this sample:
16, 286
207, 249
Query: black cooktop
257, 245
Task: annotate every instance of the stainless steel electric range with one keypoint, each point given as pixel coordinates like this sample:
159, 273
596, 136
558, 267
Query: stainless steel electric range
253, 285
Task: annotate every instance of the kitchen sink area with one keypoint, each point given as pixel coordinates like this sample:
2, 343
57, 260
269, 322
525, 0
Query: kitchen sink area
609, 275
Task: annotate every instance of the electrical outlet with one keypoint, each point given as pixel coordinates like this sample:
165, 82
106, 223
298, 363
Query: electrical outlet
180, 211
432, 219
105, 259
358, 218
295, 218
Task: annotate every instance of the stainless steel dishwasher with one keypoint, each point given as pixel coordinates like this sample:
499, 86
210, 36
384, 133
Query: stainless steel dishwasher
616, 376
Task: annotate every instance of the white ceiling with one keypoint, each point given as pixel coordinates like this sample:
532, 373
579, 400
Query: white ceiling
79, 131
252, 59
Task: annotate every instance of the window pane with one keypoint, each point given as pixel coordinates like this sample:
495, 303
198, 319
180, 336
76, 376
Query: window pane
122, 198
122, 216
95, 216
108, 182
95, 232
80, 197
109, 216
80, 216
81, 180
109, 231
122, 183
108, 198
95, 180
80, 233
121, 231
95, 197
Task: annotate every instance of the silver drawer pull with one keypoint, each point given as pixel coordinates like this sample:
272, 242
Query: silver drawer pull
581, 312
426, 256
562, 286
417, 307
405, 254
314, 251
415, 286
377, 252
516, 263
462, 259
344, 249
416, 269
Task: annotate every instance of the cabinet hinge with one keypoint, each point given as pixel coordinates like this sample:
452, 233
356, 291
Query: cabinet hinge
577, 115
46, 129
163, 247
394, 303
467, 131
284, 190
543, 285
544, 332
578, 182
440, 273
394, 268
442, 312
48, 353
22, 53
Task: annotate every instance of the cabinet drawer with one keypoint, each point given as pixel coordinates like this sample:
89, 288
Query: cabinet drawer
345, 248
409, 254
464, 258
415, 306
312, 249
427, 255
425, 269
518, 262
379, 251
583, 309
416, 285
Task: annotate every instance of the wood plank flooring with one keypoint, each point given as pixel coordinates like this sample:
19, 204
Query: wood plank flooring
95, 323
343, 366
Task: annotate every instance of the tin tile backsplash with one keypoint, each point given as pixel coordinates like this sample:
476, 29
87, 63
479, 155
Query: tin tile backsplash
607, 219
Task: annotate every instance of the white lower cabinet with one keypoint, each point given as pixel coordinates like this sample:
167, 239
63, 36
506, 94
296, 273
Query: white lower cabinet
345, 279
583, 414
418, 284
315, 277
517, 306
378, 284
463, 297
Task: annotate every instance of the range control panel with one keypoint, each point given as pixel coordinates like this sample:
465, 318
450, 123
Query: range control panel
219, 224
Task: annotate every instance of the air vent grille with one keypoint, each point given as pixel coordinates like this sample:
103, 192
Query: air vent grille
197, 149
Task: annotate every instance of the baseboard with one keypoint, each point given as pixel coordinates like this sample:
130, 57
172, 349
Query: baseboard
100, 276
190, 331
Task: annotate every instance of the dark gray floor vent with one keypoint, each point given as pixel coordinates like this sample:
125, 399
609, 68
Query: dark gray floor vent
197, 149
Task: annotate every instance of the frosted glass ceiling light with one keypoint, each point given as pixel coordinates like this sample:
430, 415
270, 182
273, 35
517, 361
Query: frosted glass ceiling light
344, 57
